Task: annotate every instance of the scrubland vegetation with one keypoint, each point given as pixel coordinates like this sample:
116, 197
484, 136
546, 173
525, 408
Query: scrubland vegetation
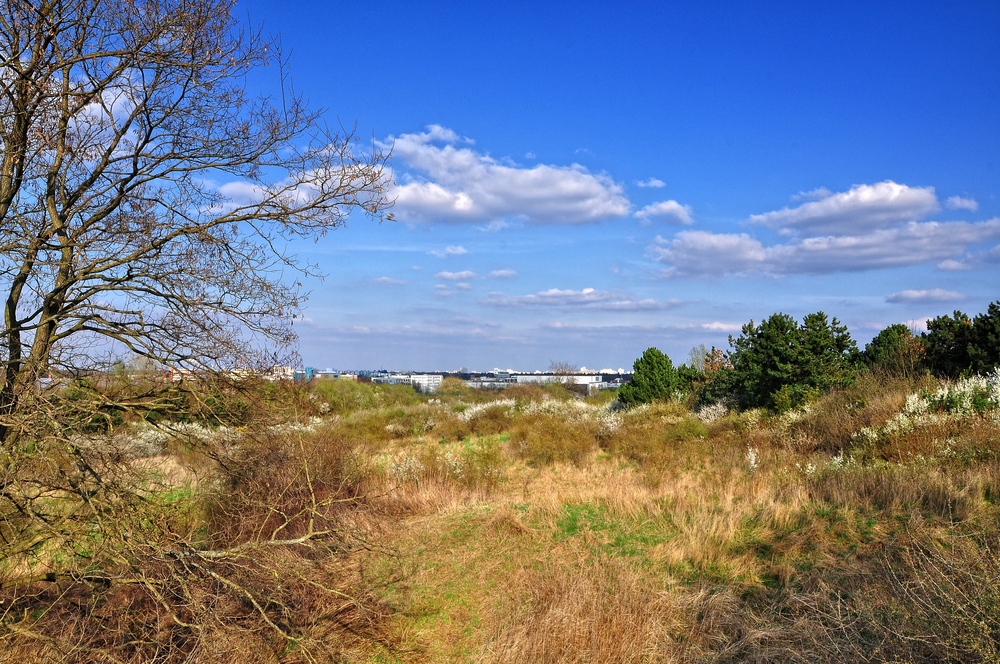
795, 499
359, 523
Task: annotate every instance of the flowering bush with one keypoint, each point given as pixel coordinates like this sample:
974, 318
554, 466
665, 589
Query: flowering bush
975, 395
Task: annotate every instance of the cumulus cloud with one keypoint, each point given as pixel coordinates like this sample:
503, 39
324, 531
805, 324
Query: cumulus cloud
960, 203
494, 226
666, 211
464, 275
389, 281
504, 273
702, 253
447, 180
457, 250
651, 183
705, 253
587, 298
241, 192
867, 227
952, 265
864, 207
717, 326
813, 194
932, 295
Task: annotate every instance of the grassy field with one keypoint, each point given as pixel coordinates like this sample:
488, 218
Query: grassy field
533, 525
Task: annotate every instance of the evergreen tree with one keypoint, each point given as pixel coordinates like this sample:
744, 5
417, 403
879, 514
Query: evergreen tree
827, 353
653, 377
764, 359
894, 350
779, 364
984, 349
946, 344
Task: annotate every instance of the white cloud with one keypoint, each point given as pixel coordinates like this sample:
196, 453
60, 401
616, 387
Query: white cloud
717, 326
952, 265
864, 207
448, 181
813, 195
457, 250
504, 273
654, 183
587, 298
932, 295
464, 275
241, 193
494, 226
667, 211
960, 203
704, 253
463, 321
389, 281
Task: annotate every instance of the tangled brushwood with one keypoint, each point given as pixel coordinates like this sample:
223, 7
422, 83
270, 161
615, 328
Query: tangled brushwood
185, 542
145, 193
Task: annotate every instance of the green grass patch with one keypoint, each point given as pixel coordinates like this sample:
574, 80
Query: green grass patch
609, 536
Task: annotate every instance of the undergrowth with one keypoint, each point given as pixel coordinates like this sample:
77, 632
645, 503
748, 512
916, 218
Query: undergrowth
534, 525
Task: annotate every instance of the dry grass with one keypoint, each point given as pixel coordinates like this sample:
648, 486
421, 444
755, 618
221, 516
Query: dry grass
588, 613
531, 526
671, 543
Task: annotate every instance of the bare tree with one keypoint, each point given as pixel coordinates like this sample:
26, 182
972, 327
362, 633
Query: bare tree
146, 194
562, 368
146, 200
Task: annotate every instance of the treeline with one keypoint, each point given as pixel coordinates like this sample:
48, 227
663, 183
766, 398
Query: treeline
780, 363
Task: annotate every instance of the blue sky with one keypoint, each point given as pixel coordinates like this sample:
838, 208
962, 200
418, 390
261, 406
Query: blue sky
576, 182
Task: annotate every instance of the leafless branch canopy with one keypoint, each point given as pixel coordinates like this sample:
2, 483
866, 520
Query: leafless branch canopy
146, 194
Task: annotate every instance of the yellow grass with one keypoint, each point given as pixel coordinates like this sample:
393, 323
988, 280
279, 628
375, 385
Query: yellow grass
520, 527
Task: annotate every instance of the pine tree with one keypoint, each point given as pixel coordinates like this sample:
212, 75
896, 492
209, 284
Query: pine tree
653, 377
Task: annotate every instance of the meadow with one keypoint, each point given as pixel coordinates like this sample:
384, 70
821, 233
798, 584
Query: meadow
362, 523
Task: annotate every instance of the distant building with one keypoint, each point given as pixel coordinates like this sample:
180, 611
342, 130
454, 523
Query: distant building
280, 373
419, 382
179, 374
426, 382
567, 379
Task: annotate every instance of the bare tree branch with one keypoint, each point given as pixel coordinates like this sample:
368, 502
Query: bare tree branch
144, 189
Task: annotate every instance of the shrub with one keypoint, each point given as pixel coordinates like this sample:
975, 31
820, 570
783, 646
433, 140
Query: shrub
658, 437
474, 462
944, 603
489, 417
348, 396
544, 439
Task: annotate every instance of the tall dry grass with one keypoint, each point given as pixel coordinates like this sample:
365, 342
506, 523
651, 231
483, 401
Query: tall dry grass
651, 535
533, 525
